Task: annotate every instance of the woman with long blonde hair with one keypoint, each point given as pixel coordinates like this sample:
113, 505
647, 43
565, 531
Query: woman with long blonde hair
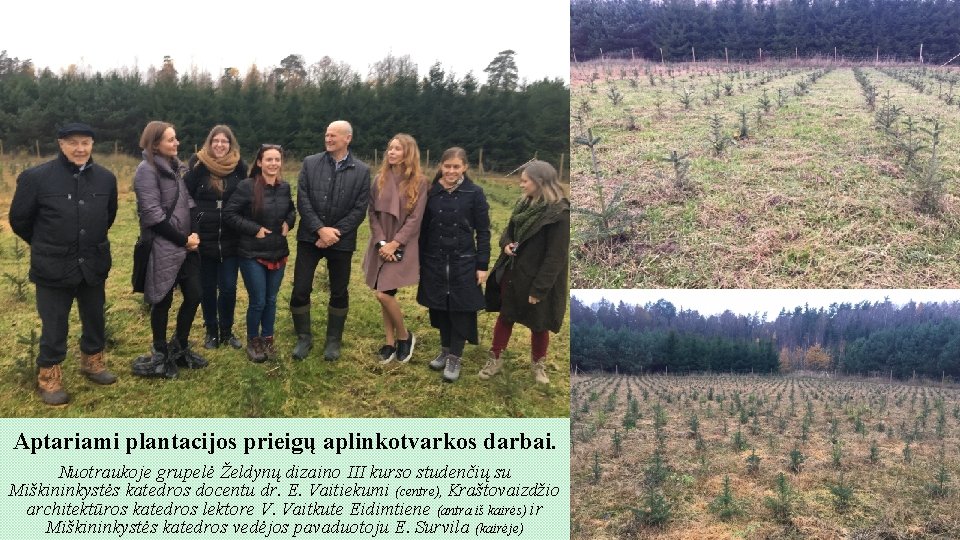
392, 259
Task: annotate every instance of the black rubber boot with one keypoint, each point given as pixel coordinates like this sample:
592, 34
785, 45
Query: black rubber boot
301, 325
335, 322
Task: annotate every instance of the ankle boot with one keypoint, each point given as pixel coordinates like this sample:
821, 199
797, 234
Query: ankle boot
269, 351
211, 340
255, 349
94, 368
184, 356
452, 370
539, 368
50, 385
227, 338
336, 319
492, 367
301, 325
440, 361
158, 364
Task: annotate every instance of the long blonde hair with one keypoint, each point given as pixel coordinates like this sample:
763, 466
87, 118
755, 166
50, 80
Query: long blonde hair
411, 175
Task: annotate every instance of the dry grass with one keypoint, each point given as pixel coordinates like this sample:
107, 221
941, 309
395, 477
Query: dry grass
815, 198
891, 499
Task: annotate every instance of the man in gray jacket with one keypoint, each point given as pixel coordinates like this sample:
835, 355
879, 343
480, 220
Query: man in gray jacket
63, 209
333, 192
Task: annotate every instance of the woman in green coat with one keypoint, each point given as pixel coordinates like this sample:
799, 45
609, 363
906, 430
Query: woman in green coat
528, 284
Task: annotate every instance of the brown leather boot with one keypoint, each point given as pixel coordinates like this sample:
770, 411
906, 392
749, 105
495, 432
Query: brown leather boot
255, 349
95, 369
269, 351
50, 386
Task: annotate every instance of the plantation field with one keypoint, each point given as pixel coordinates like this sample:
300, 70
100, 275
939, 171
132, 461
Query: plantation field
815, 194
859, 459
355, 386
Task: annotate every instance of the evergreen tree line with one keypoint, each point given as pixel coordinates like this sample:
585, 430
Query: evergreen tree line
635, 351
292, 105
858, 338
782, 28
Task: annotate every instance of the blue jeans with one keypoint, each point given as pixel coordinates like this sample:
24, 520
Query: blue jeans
262, 287
219, 283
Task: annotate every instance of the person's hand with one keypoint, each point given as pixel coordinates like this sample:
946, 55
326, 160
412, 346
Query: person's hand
388, 251
533, 300
328, 235
481, 277
508, 249
285, 229
263, 232
193, 242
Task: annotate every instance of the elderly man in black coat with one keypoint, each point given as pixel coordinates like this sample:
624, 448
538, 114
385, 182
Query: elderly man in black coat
63, 208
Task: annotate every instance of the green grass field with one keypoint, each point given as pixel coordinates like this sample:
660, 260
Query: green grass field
355, 386
816, 196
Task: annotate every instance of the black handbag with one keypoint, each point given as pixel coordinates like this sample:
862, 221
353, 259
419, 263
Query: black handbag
491, 295
141, 252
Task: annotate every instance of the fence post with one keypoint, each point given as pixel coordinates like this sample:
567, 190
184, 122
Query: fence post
37, 143
480, 164
560, 175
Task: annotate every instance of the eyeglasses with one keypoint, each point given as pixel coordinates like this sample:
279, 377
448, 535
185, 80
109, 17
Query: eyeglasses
270, 147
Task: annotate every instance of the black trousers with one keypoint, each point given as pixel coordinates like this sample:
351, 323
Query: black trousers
189, 280
456, 328
338, 270
53, 306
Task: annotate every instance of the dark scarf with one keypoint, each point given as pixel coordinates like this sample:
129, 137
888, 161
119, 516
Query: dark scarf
526, 217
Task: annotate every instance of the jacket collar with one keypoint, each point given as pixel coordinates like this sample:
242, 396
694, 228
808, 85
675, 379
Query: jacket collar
345, 163
73, 167
552, 214
466, 186
167, 167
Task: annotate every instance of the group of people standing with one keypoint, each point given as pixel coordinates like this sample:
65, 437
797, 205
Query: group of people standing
211, 218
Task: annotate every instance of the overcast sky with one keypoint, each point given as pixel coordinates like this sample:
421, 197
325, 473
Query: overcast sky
771, 301
462, 35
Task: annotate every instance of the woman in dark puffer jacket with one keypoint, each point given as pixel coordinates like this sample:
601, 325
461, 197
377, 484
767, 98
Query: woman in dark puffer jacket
212, 176
262, 212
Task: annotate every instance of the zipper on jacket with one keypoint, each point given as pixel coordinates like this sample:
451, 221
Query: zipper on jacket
219, 228
448, 275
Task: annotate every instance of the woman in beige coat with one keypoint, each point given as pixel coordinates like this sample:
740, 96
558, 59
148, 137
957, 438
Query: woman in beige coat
397, 199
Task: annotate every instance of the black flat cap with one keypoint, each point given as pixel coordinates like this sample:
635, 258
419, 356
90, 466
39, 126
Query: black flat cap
75, 128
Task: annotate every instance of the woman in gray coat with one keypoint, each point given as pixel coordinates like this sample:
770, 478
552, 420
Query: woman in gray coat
163, 204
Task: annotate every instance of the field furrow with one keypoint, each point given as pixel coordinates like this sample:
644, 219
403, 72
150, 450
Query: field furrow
815, 196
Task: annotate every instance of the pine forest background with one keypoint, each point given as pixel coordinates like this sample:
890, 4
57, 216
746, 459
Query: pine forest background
879, 338
858, 29
510, 120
